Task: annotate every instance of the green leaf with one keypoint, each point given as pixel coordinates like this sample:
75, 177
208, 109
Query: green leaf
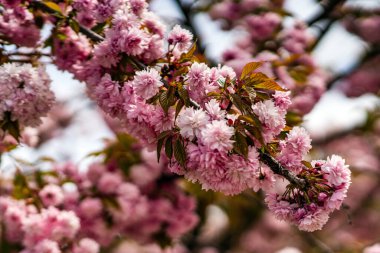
255, 131
99, 27
249, 68
293, 119
53, 6
184, 94
164, 100
187, 56
164, 134
169, 147
180, 152
74, 25
307, 164
240, 144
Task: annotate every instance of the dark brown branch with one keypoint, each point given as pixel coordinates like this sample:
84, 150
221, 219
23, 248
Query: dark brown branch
278, 169
328, 8
322, 33
189, 23
367, 56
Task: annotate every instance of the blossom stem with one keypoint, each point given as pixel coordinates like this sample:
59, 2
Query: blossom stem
278, 169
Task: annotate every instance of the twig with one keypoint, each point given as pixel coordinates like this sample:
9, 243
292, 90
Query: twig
313, 241
278, 169
89, 33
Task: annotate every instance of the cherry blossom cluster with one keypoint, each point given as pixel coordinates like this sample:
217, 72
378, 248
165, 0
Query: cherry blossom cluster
309, 209
17, 24
217, 126
284, 48
41, 230
140, 201
25, 95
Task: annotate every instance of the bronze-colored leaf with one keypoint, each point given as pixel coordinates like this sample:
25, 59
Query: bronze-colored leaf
249, 68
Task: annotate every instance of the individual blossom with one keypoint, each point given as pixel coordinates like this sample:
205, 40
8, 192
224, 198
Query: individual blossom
147, 83
47, 246
198, 76
336, 172
295, 146
217, 135
87, 245
51, 195
214, 111
271, 117
191, 121
180, 38
109, 182
133, 42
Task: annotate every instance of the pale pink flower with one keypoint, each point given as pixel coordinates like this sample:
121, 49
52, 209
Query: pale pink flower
271, 117
109, 182
87, 245
217, 135
181, 38
24, 93
282, 100
147, 83
313, 220
90, 208
296, 145
336, 172
198, 76
133, 41
138, 7
47, 246
191, 122
51, 195
214, 111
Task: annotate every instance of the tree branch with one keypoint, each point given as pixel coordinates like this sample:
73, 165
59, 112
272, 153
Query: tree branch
328, 8
278, 169
322, 33
367, 56
189, 22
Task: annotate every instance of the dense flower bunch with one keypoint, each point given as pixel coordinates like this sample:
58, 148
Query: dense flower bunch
25, 96
17, 24
309, 209
217, 128
226, 129
138, 201
284, 48
43, 230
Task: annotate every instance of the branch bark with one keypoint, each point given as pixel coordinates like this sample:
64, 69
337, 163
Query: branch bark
328, 9
278, 169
